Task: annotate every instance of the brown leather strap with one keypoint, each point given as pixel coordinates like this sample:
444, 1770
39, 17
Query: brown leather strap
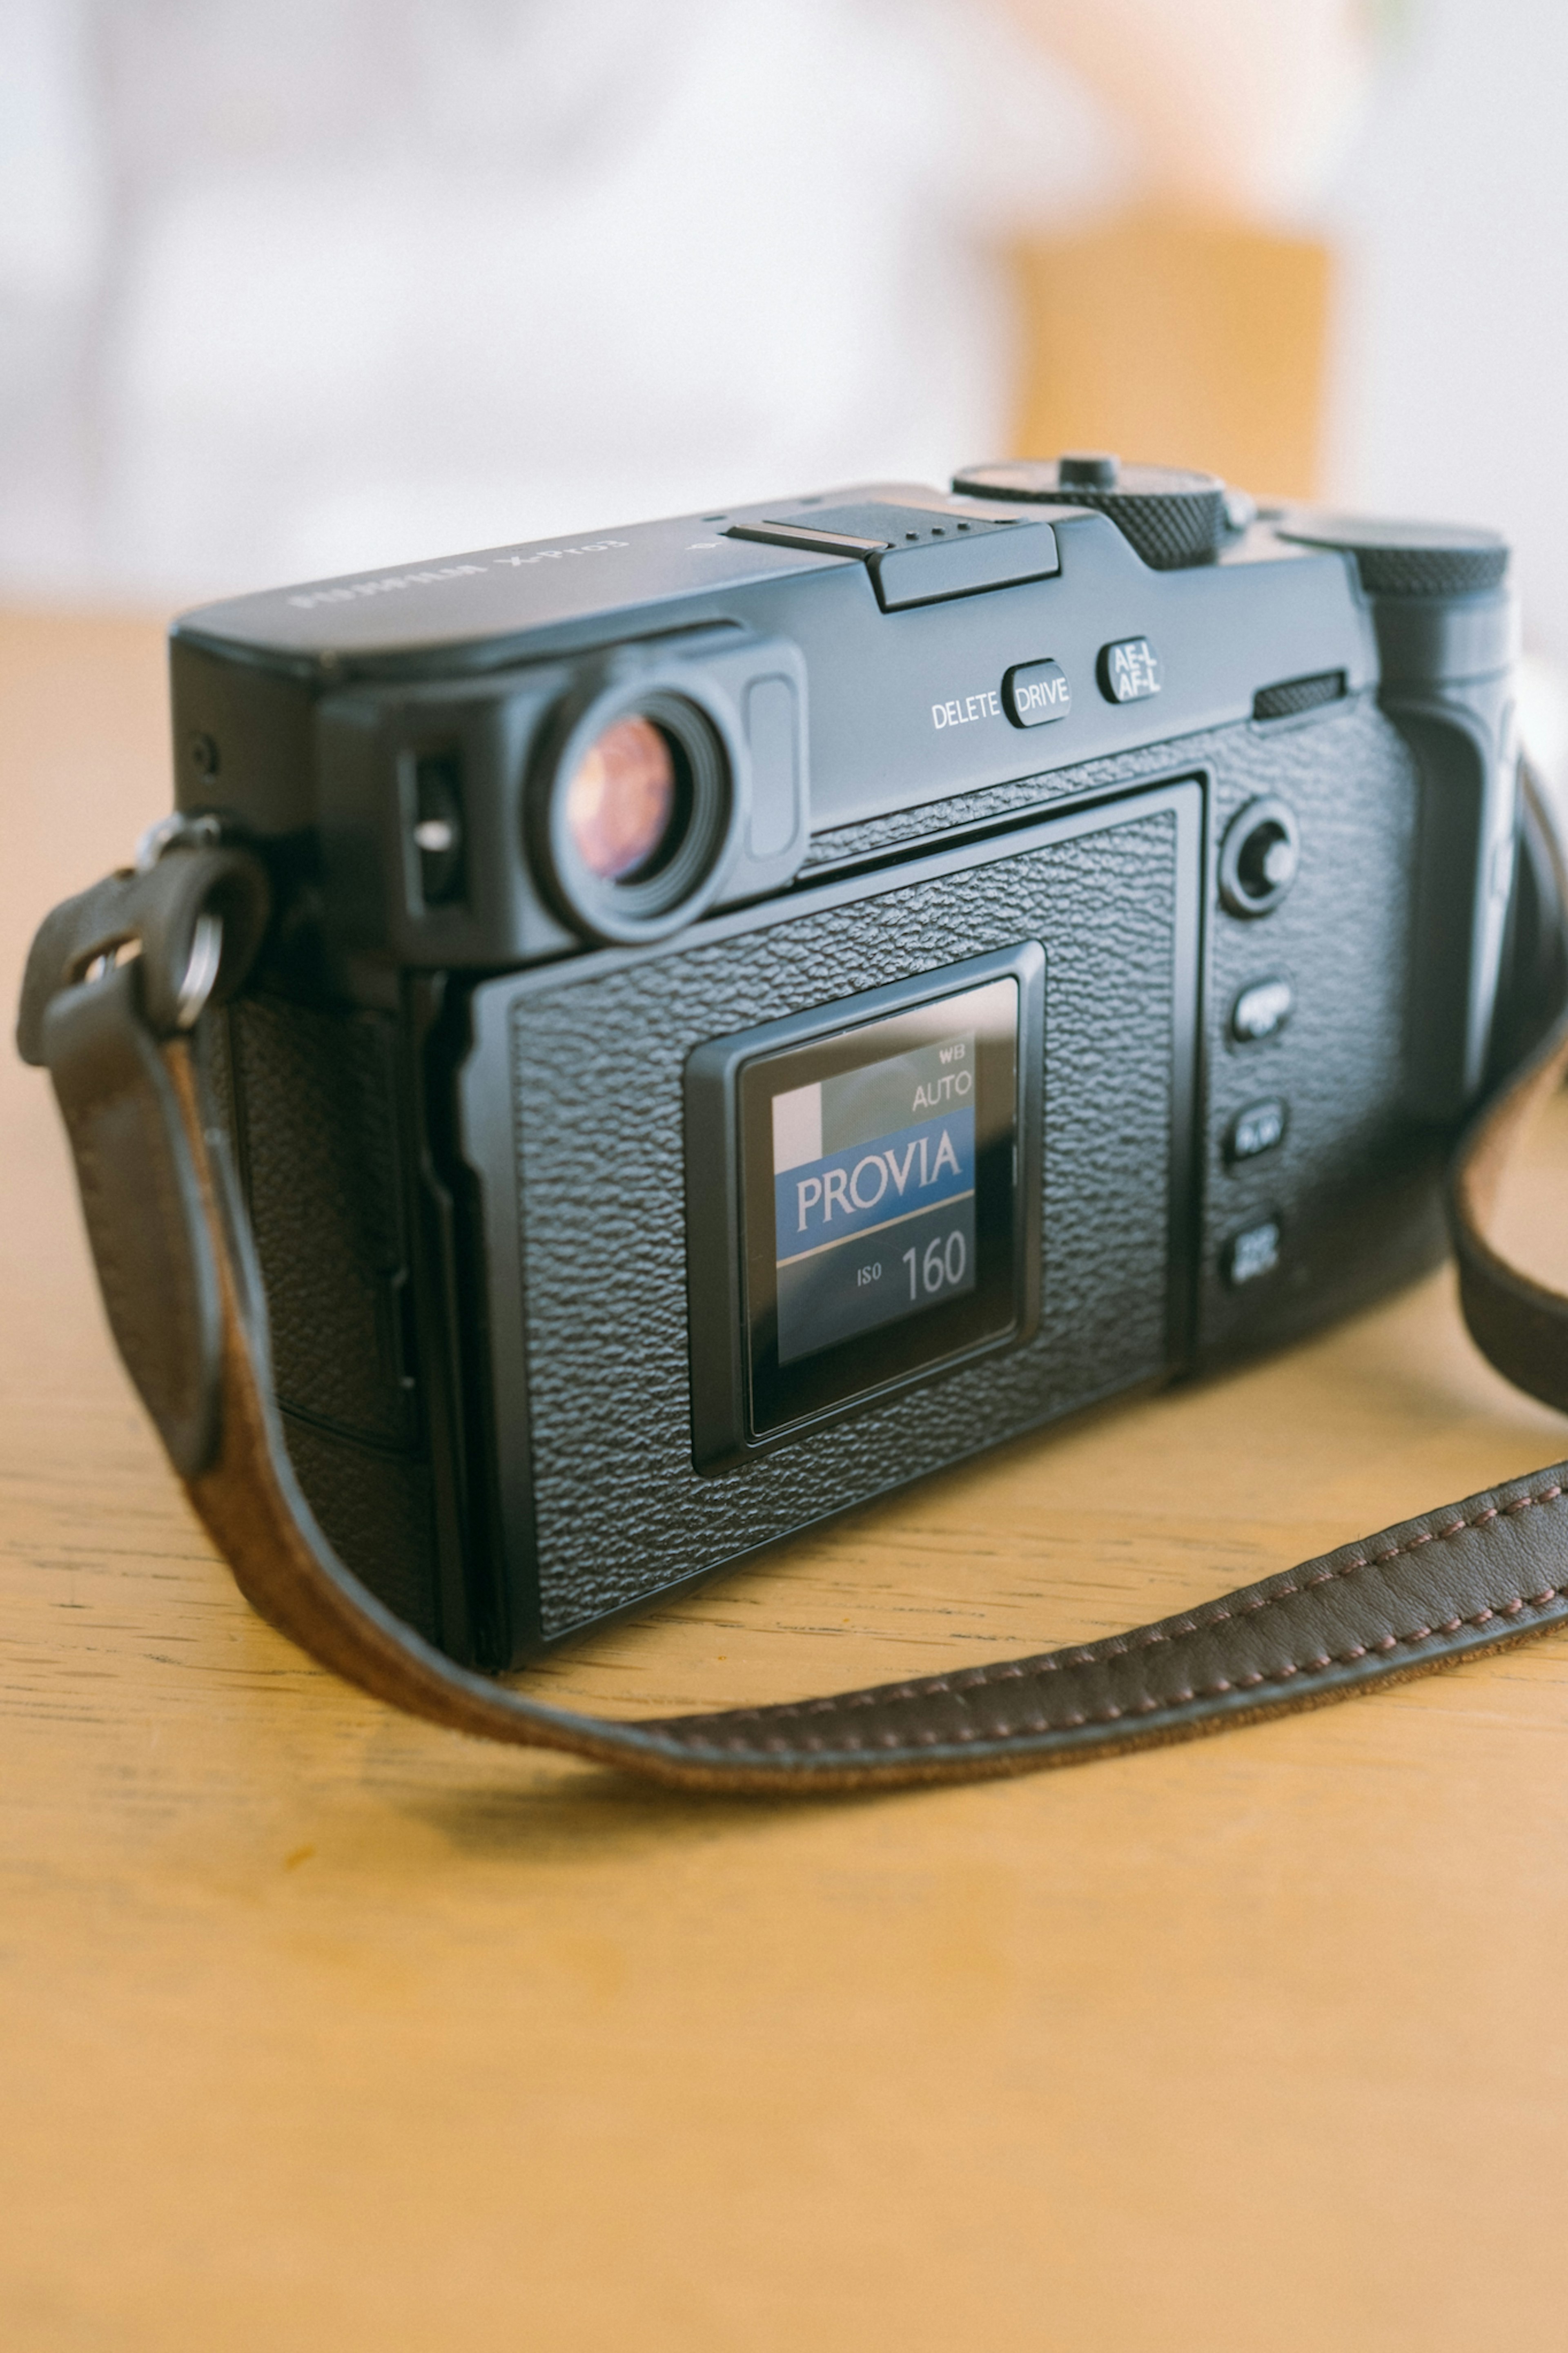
1521, 1324
171, 1244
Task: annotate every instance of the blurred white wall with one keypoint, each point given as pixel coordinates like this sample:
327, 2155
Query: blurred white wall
1452, 216
319, 285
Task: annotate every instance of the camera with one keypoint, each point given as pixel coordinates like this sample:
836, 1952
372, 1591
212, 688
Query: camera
765, 1005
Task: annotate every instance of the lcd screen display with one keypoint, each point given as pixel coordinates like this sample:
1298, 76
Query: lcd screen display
879, 1184
874, 1194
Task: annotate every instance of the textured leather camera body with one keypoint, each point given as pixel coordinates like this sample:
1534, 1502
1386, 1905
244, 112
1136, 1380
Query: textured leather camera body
1197, 858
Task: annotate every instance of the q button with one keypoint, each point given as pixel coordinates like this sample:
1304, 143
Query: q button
1033, 692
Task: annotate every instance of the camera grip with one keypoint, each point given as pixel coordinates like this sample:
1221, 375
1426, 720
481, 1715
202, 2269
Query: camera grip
1462, 1579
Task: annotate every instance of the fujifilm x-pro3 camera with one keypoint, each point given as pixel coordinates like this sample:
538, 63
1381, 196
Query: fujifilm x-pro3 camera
762, 1006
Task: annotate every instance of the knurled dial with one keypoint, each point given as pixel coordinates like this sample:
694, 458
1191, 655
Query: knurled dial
1173, 518
1408, 559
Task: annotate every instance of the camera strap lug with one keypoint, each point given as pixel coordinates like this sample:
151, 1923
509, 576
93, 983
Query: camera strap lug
170, 1239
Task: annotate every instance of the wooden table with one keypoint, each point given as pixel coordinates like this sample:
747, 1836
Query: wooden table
322, 2029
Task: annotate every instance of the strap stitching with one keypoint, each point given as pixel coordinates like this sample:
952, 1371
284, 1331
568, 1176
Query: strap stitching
929, 1737
982, 1677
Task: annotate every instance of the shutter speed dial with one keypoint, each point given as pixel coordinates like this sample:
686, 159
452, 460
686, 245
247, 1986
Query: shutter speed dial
1173, 518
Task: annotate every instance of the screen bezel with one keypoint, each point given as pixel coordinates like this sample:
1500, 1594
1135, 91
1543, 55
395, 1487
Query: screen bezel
724, 1432
783, 1391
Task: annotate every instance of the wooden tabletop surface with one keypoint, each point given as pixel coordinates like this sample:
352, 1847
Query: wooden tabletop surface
320, 2028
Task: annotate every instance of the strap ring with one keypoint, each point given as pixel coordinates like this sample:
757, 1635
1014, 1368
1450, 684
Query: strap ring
176, 831
201, 970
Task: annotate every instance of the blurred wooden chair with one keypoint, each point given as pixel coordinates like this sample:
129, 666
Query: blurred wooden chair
1179, 339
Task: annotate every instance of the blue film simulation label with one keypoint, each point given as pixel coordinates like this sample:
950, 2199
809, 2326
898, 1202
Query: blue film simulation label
874, 1208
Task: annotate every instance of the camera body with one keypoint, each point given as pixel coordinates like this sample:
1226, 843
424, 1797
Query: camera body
765, 1005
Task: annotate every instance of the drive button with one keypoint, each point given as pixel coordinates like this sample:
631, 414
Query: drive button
1033, 692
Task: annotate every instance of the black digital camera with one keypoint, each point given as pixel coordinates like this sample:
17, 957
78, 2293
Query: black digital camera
763, 1004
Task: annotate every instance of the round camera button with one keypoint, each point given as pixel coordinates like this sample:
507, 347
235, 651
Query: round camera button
1259, 858
1033, 693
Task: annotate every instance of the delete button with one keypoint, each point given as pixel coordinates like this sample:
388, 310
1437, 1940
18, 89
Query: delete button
1035, 692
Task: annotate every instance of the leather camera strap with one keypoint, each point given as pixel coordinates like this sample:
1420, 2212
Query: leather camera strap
171, 1239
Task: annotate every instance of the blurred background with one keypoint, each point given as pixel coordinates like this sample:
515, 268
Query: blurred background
326, 284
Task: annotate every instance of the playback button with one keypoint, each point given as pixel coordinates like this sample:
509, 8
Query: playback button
1033, 692
1252, 1254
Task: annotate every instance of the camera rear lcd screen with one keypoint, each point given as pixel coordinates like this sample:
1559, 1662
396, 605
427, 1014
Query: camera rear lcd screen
879, 1197
873, 1194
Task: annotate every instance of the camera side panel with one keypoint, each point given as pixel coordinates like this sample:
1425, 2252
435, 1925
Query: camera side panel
310, 1098
572, 1111
1347, 1177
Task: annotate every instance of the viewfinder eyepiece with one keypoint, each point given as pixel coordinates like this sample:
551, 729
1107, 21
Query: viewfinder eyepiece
621, 800
637, 815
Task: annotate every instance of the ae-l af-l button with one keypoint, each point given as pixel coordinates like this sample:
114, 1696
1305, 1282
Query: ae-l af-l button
1033, 692
1129, 671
